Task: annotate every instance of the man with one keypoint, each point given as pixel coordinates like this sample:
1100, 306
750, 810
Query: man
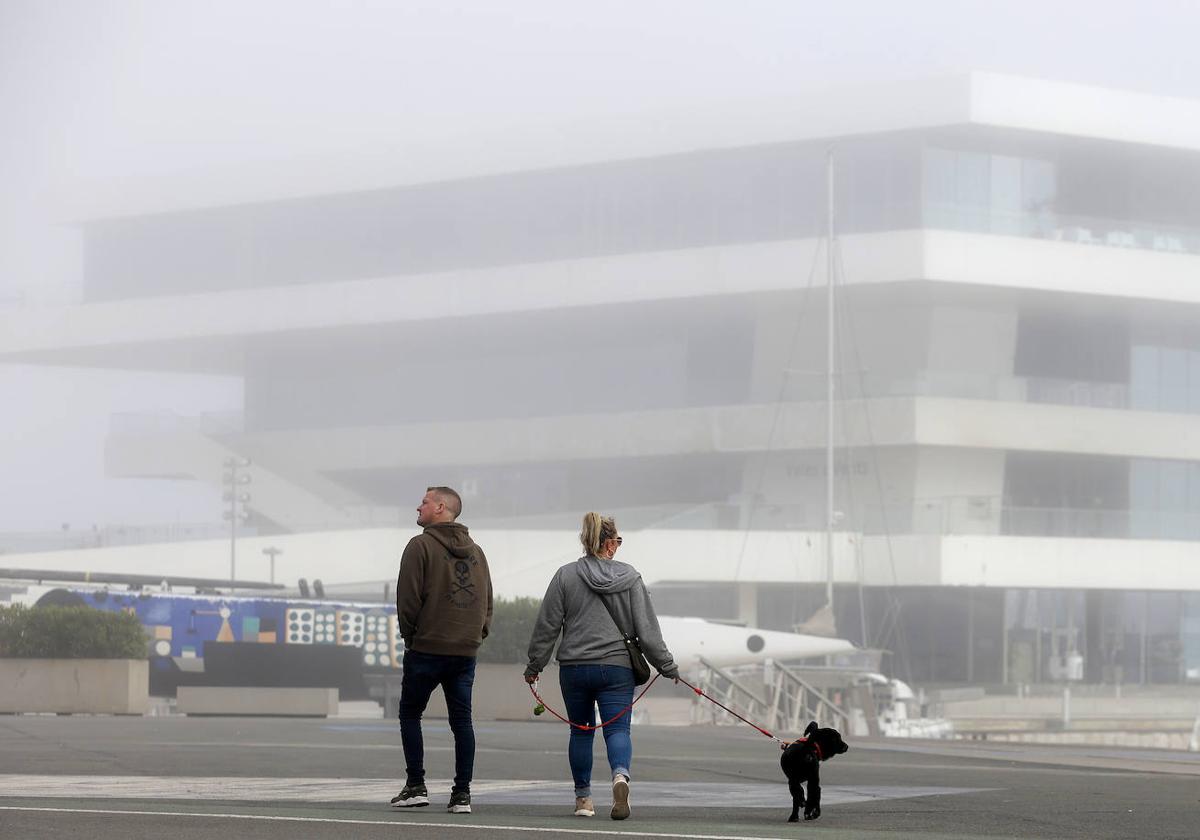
444, 606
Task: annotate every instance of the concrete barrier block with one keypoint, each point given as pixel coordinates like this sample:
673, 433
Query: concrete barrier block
238, 701
75, 686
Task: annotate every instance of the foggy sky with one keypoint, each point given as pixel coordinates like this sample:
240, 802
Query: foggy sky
95, 92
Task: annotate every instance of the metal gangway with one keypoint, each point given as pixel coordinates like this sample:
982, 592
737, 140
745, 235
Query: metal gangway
726, 689
794, 702
786, 703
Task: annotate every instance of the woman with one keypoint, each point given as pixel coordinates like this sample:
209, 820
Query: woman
594, 666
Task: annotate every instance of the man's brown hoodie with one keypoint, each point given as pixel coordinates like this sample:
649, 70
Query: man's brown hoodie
444, 592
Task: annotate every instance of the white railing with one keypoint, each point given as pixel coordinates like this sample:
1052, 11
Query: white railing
794, 702
1065, 227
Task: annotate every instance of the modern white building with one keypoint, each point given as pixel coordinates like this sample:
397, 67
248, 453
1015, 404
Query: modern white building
633, 321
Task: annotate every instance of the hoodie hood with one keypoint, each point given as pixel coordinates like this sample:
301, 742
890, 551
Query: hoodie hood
605, 576
454, 538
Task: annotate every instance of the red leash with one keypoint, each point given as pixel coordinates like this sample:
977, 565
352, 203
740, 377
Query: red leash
715, 702
587, 727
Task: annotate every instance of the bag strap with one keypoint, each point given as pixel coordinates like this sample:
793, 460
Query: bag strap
611, 614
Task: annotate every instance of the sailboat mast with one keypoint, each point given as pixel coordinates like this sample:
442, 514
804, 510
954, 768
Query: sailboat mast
829, 364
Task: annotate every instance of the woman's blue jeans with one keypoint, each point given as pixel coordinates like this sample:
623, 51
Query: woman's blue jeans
583, 688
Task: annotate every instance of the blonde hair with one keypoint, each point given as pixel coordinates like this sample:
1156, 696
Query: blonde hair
596, 529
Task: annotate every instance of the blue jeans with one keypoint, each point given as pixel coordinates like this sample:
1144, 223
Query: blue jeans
423, 672
584, 687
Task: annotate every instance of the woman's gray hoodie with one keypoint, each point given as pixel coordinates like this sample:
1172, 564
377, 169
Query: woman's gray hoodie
572, 607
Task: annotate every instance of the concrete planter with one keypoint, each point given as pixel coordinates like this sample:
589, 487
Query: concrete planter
67, 686
242, 701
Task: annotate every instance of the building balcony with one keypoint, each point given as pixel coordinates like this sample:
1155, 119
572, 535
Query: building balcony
1065, 227
945, 516
976, 386
210, 334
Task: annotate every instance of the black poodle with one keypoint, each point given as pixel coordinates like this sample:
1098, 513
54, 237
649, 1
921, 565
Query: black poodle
801, 762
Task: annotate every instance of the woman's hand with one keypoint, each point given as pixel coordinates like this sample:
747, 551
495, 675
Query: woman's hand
531, 678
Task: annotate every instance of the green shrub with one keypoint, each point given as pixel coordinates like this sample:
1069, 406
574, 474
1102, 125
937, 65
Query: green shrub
70, 633
512, 625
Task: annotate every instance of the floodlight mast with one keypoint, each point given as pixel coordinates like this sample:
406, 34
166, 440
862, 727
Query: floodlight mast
238, 500
272, 552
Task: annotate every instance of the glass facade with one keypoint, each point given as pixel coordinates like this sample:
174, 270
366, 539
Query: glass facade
1164, 499
1190, 636
701, 199
990, 193
1044, 636
1085, 195
987, 636
1120, 627
1058, 495
1101, 636
1164, 378
1057, 345
1019, 186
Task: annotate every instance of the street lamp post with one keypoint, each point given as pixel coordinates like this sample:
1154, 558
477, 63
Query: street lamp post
272, 552
237, 499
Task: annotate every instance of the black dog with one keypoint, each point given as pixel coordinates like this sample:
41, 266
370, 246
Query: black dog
801, 762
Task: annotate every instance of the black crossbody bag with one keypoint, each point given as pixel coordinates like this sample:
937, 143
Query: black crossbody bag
641, 668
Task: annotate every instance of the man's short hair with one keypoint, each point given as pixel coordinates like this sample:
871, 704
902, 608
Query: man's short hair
449, 498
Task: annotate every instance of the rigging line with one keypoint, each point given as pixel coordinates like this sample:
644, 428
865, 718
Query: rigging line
796, 555
783, 384
894, 605
849, 328
863, 398
847, 337
872, 445
850, 337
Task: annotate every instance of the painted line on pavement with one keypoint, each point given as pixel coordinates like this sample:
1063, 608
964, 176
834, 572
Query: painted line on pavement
391, 823
694, 795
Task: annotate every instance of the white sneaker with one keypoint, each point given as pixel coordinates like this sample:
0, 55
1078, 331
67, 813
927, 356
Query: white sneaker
584, 807
620, 808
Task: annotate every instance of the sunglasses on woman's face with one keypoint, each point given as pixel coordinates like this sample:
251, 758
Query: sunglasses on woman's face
618, 539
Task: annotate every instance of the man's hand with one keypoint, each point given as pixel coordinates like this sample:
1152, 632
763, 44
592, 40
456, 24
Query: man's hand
531, 678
